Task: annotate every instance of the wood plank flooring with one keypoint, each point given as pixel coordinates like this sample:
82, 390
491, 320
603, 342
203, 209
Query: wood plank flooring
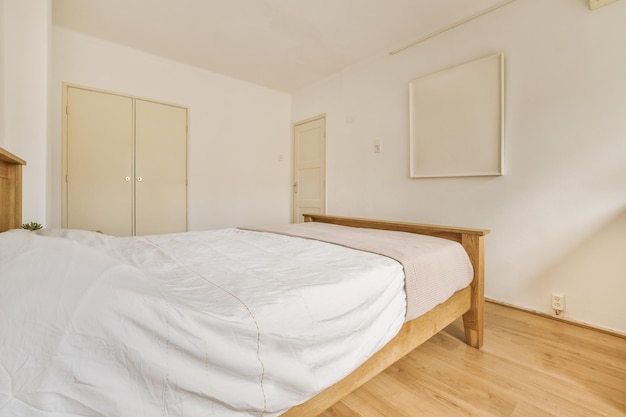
530, 366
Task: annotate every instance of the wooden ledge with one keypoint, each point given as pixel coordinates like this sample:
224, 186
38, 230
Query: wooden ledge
8, 157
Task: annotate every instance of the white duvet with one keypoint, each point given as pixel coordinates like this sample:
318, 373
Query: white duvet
221, 323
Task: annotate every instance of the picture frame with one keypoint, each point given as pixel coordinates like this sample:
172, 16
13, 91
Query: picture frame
457, 120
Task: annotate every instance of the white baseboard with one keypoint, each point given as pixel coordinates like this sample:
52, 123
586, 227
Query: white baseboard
611, 332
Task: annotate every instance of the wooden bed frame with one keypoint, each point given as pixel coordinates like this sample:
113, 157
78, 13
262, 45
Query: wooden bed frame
10, 191
467, 303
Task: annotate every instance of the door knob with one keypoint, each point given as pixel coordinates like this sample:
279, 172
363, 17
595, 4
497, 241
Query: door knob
139, 179
127, 179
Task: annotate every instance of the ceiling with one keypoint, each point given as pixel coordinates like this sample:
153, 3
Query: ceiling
280, 44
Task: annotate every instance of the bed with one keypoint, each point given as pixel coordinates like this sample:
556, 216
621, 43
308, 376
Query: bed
366, 352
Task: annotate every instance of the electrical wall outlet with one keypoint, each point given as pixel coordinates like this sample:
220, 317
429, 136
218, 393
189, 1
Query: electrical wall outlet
558, 302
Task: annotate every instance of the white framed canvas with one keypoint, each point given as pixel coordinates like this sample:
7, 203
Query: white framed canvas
457, 120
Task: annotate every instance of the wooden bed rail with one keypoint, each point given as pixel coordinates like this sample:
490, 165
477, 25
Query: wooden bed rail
446, 232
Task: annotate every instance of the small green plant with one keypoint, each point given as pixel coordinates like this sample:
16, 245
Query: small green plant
32, 226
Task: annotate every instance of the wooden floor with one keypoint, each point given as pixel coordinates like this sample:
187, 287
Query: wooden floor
530, 366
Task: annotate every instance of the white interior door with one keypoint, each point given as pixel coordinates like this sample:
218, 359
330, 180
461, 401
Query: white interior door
99, 162
309, 182
160, 168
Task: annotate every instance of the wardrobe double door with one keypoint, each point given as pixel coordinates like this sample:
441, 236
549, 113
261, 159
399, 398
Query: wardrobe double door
125, 164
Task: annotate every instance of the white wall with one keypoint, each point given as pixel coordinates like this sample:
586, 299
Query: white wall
558, 216
24, 36
238, 131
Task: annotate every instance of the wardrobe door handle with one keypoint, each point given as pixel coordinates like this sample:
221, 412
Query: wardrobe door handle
127, 179
139, 179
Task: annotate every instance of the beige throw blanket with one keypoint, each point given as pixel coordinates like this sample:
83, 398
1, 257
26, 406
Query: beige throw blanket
434, 268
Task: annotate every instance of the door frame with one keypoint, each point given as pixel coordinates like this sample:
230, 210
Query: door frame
322, 116
64, 159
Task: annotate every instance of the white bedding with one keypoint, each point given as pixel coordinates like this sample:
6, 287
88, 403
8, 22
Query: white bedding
434, 268
220, 323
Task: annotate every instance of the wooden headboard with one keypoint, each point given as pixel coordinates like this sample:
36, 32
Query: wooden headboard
10, 190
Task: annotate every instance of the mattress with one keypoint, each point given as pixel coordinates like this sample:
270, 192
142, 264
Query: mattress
221, 323
434, 268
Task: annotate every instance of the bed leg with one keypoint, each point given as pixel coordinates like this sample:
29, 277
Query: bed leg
473, 320
473, 324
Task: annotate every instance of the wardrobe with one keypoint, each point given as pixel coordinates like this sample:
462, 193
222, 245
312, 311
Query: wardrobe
125, 164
